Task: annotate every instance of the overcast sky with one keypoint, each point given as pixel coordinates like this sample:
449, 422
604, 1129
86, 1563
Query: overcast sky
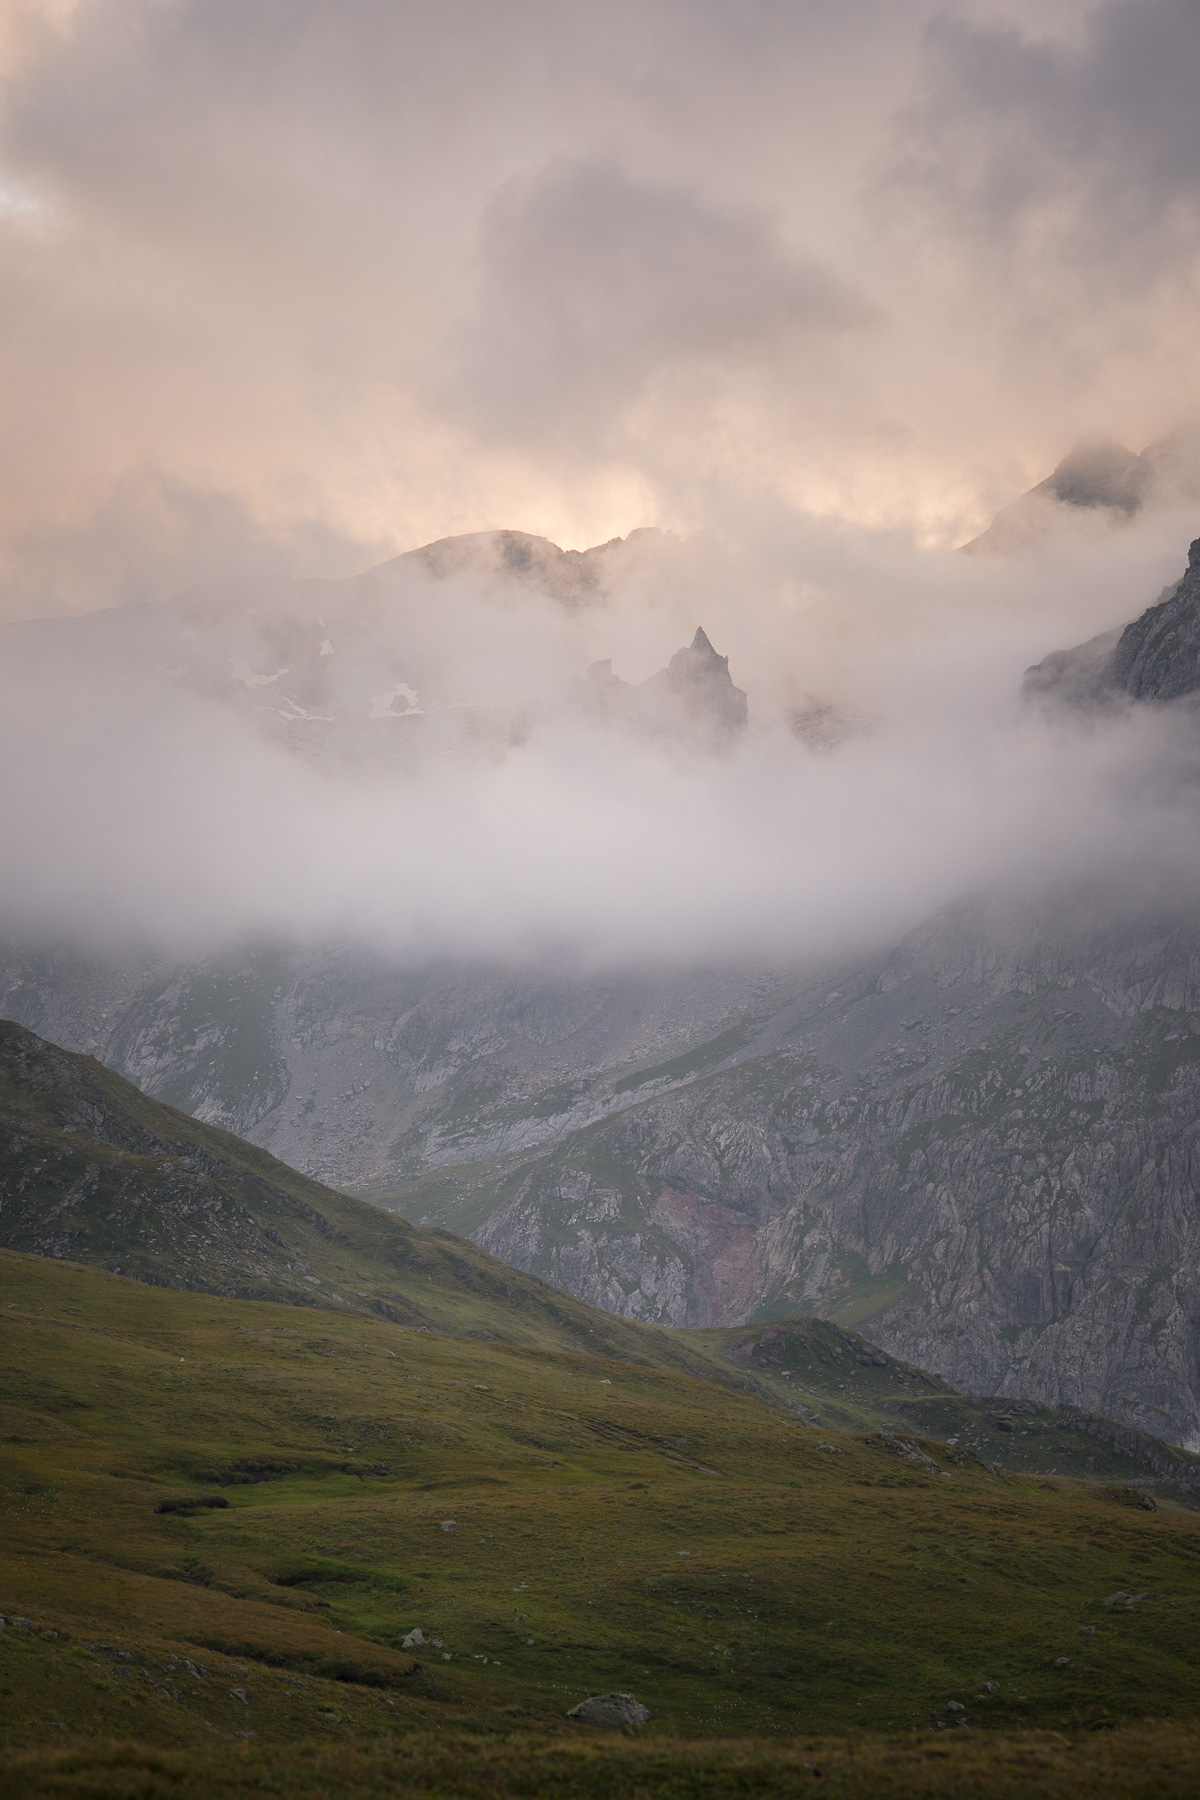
288, 287
302, 285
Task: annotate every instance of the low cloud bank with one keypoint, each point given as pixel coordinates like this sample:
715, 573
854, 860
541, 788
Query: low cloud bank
419, 763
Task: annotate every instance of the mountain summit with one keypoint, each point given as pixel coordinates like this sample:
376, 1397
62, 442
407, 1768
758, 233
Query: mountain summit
693, 698
699, 684
1102, 480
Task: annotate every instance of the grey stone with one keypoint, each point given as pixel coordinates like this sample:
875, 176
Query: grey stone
414, 1639
610, 1709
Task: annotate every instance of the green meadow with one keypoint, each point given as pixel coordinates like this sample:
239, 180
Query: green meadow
224, 1519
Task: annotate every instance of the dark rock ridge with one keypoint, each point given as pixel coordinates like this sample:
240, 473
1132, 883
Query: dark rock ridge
699, 680
1157, 657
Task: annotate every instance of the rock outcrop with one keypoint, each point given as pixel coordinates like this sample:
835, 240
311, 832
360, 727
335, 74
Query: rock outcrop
1156, 658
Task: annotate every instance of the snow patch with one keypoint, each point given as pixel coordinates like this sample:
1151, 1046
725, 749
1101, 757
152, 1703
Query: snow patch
383, 707
241, 671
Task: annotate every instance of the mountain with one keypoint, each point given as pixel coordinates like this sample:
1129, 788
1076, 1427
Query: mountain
976, 1146
517, 558
693, 699
1099, 479
978, 1149
352, 674
359, 1069
93, 1172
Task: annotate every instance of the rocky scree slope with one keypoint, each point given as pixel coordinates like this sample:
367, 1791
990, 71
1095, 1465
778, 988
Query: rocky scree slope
361, 1071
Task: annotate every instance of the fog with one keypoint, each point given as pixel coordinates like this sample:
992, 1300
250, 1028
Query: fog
289, 290
424, 765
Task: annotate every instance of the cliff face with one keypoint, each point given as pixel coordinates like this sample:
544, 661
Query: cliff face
359, 1071
1156, 658
983, 1151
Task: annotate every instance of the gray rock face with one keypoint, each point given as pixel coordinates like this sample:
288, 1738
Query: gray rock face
983, 1151
358, 1071
1156, 658
610, 1709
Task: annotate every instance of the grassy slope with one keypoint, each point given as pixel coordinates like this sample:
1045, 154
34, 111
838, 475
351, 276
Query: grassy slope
615, 1526
94, 1170
1132, 1764
831, 1377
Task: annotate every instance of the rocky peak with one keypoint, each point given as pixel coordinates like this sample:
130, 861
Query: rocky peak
697, 679
1098, 472
693, 697
1157, 657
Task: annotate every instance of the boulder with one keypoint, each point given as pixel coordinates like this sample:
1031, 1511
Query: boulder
610, 1709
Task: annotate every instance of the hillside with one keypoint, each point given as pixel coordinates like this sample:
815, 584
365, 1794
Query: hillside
225, 1517
93, 1170
268, 1545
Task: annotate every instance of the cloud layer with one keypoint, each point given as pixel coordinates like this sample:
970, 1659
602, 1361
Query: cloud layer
421, 764
349, 279
287, 289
